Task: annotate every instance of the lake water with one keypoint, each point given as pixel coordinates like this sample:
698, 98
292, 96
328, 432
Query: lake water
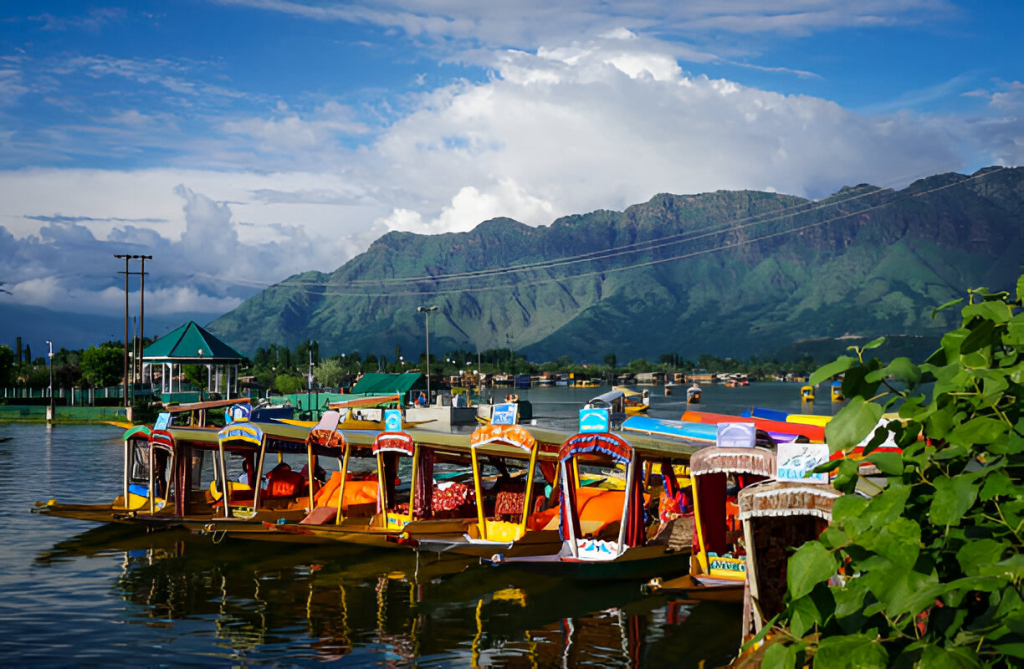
75, 593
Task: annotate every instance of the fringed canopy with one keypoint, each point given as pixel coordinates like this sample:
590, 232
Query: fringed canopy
718, 460
509, 435
784, 498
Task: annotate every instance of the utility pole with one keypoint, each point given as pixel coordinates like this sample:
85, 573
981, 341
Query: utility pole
126, 257
142, 312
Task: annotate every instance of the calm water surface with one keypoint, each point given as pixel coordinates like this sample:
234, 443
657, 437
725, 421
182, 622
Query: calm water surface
75, 593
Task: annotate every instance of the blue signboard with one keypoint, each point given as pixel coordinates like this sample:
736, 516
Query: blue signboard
505, 414
392, 420
162, 421
238, 412
595, 420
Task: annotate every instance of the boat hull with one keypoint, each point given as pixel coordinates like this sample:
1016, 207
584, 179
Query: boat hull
689, 587
641, 563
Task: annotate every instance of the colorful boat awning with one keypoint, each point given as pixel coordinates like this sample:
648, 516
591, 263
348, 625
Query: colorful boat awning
242, 431
393, 442
509, 435
597, 442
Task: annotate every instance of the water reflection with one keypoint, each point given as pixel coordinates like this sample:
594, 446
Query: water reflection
275, 602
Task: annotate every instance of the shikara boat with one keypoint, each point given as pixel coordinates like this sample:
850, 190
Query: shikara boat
288, 495
511, 517
778, 429
391, 515
693, 394
691, 431
718, 566
777, 516
635, 402
144, 483
603, 534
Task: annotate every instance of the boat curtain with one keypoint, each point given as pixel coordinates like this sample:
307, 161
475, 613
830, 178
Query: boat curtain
567, 511
388, 476
635, 522
548, 471
182, 480
711, 502
424, 484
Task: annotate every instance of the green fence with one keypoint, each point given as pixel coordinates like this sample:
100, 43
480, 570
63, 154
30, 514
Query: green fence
83, 414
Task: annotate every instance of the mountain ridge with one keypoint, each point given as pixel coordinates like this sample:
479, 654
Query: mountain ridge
727, 272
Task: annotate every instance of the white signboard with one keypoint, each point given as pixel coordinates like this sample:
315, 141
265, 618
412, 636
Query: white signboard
505, 414
795, 460
737, 435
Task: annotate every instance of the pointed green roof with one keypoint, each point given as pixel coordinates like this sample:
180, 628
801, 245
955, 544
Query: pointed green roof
185, 343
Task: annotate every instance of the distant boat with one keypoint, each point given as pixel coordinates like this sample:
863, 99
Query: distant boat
693, 394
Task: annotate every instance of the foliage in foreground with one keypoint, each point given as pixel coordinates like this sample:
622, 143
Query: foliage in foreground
930, 568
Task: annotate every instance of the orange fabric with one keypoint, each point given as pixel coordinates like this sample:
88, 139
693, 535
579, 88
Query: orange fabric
356, 492
732, 511
593, 504
284, 483
327, 490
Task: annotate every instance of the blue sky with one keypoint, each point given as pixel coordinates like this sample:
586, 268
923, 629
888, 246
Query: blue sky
290, 134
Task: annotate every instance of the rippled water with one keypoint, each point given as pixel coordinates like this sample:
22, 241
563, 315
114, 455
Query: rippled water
77, 593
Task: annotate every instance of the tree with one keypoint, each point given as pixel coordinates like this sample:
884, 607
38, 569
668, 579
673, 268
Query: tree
610, 360
288, 384
329, 372
6, 364
103, 365
932, 565
639, 366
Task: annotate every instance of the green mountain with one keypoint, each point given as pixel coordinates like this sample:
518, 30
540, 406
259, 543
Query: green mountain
730, 273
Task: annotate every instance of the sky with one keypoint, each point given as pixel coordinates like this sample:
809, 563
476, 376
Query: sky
242, 141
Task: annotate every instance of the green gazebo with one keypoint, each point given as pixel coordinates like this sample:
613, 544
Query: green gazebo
192, 344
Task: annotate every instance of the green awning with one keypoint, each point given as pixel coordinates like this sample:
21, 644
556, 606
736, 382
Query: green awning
389, 384
184, 345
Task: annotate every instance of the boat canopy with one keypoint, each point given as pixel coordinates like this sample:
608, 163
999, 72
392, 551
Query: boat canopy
138, 431
243, 431
393, 442
721, 460
365, 402
326, 434
509, 435
606, 443
785, 498
609, 397
199, 406
162, 439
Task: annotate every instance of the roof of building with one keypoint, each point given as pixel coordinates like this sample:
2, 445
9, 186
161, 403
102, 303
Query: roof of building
389, 384
191, 343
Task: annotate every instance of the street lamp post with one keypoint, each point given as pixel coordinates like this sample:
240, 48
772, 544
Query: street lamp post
426, 311
50, 355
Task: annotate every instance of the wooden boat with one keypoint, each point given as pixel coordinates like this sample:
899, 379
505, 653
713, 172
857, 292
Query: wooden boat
635, 402
782, 416
691, 431
288, 495
389, 519
718, 567
807, 393
813, 433
518, 524
837, 391
693, 394
348, 422
143, 480
607, 541
777, 516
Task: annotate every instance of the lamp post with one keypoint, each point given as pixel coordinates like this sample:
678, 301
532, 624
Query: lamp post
50, 356
426, 311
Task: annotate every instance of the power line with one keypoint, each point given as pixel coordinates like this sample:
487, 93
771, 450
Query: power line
475, 289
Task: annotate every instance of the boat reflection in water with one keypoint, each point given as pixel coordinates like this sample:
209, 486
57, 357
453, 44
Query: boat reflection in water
283, 604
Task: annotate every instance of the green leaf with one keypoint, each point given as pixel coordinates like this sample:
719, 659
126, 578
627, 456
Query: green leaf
852, 650
804, 616
890, 464
781, 656
854, 422
902, 369
947, 305
1013, 649
953, 497
994, 311
978, 553
899, 541
838, 366
980, 430
1020, 288
873, 344
956, 657
997, 484
810, 565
